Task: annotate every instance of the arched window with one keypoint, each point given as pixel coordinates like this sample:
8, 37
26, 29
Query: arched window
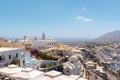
9, 56
17, 55
24, 62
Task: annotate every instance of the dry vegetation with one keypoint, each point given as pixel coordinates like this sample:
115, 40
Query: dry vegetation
11, 44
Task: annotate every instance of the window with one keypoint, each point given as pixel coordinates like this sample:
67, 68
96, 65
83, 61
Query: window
23, 62
0, 57
67, 71
17, 55
52, 43
9, 56
95, 77
71, 61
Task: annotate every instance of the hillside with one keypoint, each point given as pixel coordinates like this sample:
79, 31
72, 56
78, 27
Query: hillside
111, 36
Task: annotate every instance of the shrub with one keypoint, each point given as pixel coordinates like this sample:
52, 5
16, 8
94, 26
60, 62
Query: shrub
15, 61
44, 55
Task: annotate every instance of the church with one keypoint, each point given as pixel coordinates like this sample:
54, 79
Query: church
39, 44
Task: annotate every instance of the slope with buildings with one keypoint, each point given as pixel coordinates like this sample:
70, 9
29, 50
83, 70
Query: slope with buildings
111, 36
71, 67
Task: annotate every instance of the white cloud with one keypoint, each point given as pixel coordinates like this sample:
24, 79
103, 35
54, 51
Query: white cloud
84, 9
84, 19
87, 20
79, 17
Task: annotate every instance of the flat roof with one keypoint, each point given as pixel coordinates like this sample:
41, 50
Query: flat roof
53, 74
76, 50
7, 49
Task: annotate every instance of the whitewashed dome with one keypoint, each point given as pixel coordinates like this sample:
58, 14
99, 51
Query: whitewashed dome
73, 59
68, 69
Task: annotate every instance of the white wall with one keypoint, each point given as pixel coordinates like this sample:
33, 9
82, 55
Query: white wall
19, 51
43, 43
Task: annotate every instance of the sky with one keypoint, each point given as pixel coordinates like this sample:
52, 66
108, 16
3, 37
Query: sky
58, 18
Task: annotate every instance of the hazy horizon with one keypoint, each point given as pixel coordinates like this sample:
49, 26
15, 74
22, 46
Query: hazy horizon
56, 38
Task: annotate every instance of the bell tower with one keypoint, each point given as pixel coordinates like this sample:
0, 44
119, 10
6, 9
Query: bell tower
35, 38
43, 36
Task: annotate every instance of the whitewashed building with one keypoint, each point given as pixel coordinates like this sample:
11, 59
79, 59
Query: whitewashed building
73, 66
8, 54
39, 44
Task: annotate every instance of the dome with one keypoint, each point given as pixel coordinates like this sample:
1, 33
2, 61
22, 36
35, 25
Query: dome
50, 38
69, 64
26, 38
73, 59
68, 70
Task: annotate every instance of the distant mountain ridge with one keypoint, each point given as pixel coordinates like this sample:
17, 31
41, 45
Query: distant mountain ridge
110, 36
